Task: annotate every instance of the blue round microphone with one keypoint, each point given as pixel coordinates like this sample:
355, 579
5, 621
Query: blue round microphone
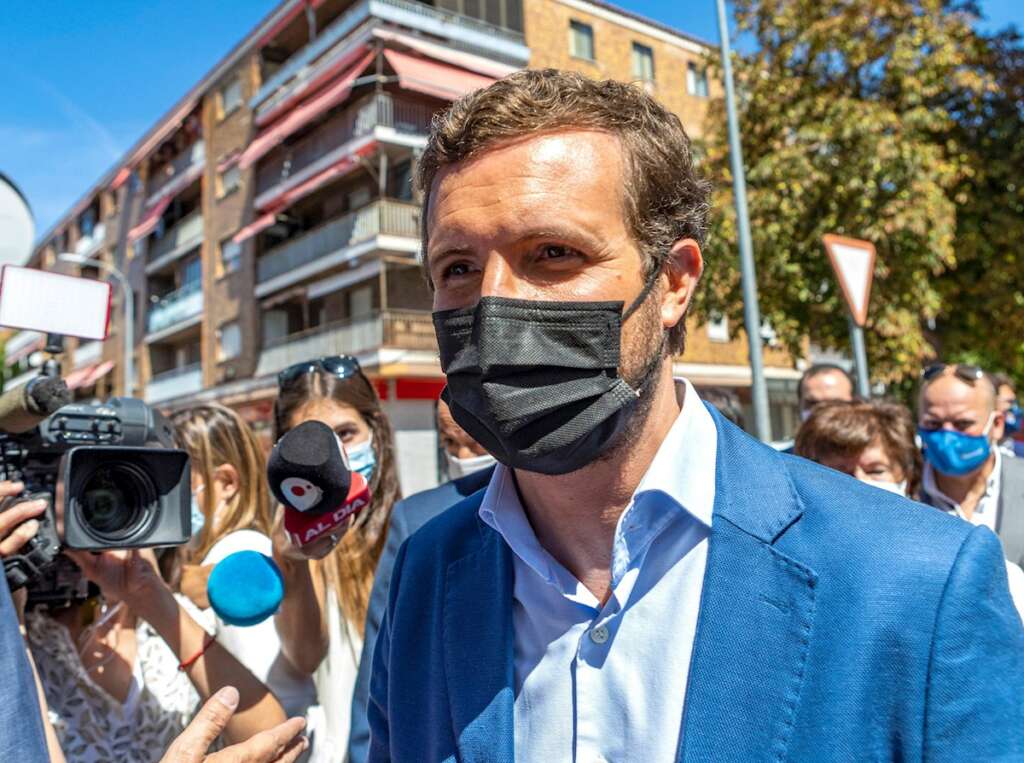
245, 588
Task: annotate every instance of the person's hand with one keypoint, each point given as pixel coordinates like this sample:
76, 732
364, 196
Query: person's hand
18, 523
281, 744
194, 578
286, 551
122, 575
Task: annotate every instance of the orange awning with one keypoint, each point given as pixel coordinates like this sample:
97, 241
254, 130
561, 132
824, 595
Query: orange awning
434, 78
303, 114
119, 179
150, 219
98, 372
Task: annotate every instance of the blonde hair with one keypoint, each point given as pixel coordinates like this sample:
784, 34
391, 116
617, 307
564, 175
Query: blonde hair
215, 435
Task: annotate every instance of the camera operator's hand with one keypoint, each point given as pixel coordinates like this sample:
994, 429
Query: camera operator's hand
122, 575
17, 519
281, 744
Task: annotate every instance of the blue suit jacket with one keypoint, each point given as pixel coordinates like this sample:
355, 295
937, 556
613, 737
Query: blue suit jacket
21, 725
836, 623
408, 516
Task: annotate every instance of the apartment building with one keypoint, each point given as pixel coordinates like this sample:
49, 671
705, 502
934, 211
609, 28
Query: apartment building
270, 218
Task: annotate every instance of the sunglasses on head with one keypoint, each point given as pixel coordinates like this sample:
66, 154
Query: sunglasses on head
341, 366
964, 372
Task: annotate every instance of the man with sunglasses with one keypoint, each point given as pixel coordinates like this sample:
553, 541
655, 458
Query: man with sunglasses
641, 580
960, 425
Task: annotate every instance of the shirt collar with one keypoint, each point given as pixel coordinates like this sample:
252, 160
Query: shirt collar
679, 482
931, 487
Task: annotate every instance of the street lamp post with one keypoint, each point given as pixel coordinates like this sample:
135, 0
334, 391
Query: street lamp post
751, 311
129, 312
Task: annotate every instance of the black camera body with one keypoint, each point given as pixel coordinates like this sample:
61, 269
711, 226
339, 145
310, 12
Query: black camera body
113, 479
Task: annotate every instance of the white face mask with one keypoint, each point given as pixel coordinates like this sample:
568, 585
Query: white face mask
463, 467
899, 488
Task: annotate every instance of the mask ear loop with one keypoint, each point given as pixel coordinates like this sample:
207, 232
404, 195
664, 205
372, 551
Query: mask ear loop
644, 292
988, 426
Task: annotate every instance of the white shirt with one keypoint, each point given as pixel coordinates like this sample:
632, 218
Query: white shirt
258, 647
986, 513
597, 683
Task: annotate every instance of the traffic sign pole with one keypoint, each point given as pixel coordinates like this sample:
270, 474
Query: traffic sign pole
854, 263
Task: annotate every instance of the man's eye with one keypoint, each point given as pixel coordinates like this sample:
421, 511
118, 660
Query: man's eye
456, 270
556, 252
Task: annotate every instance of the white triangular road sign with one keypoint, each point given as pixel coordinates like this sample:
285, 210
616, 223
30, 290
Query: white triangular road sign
853, 261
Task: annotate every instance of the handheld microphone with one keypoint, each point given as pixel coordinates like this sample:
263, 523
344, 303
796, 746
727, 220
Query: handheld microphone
245, 588
27, 406
309, 474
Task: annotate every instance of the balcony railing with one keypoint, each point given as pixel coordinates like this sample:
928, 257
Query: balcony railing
393, 218
496, 42
88, 352
89, 245
177, 382
171, 174
380, 110
404, 329
178, 240
176, 307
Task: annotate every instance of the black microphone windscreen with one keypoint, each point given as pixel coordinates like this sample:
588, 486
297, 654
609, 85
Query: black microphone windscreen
307, 469
47, 394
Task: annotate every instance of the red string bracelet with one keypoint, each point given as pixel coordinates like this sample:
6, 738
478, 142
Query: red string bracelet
185, 665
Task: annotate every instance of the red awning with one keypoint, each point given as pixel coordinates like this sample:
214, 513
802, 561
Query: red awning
119, 179
337, 169
250, 230
470, 61
150, 219
228, 161
88, 375
98, 372
301, 92
304, 114
433, 77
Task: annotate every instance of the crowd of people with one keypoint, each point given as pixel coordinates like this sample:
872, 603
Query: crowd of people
632, 549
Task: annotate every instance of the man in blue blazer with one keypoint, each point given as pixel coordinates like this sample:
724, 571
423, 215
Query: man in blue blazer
471, 470
640, 580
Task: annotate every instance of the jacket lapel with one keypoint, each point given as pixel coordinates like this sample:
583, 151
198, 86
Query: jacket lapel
756, 613
478, 645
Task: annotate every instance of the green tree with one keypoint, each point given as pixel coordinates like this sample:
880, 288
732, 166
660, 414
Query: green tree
848, 126
982, 314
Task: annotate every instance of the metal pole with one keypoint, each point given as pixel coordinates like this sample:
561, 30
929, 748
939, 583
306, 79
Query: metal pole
751, 311
860, 359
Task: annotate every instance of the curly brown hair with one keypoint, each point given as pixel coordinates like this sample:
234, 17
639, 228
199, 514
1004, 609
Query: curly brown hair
664, 196
844, 429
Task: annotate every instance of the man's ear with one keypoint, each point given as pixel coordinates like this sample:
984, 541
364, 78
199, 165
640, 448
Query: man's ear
681, 271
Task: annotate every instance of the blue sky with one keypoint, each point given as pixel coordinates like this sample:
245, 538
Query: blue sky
83, 81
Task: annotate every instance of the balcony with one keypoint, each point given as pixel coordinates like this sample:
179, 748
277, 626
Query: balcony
402, 116
402, 329
181, 172
176, 308
88, 352
175, 383
382, 224
498, 43
178, 240
87, 246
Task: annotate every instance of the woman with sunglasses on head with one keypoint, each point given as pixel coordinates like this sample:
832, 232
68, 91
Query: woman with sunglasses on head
231, 512
323, 614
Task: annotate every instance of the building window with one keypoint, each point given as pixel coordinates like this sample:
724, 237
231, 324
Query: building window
229, 181
230, 97
643, 62
229, 343
581, 40
230, 256
718, 329
696, 80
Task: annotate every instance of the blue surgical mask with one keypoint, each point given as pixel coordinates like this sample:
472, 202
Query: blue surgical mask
954, 453
198, 518
362, 458
1013, 418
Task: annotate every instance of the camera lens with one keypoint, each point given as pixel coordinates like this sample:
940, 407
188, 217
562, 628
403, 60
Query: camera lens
115, 500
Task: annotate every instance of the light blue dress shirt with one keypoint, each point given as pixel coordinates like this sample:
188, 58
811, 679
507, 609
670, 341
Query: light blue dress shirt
607, 683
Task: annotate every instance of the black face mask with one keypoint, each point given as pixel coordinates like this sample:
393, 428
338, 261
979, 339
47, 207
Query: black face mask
536, 383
